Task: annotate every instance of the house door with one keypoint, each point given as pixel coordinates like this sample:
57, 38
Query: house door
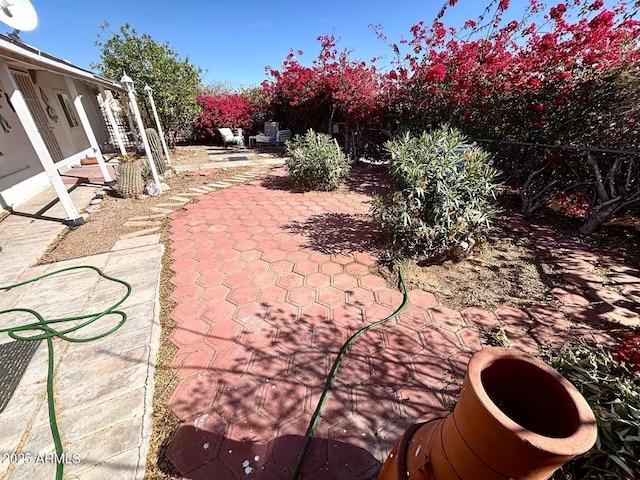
39, 116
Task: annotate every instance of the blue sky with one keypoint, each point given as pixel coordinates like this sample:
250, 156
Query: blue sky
234, 41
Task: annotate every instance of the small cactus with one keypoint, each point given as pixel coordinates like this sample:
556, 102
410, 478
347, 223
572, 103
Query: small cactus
156, 150
129, 183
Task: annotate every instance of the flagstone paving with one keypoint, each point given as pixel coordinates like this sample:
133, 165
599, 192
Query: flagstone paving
269, 283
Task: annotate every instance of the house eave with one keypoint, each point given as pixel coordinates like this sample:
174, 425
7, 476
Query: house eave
15, 52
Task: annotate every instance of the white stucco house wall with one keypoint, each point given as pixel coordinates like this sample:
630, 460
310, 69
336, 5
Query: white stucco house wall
50, 119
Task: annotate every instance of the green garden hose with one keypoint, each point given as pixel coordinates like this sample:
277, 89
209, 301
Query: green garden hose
334, 372
49, 332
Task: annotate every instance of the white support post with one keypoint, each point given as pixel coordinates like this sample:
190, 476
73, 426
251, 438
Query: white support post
128, 84
149, 91
86, 125
112, 120
29, 125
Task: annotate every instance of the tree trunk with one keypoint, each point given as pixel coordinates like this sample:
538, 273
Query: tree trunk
598, 217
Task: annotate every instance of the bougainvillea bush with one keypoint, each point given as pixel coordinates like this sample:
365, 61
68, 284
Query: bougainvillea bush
552, 76
445, 195
230, 110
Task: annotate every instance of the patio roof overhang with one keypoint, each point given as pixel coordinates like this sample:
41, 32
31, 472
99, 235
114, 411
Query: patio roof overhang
19, 54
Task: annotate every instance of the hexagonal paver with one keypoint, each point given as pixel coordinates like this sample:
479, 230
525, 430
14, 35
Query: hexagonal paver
240, 396
317, 280
390, 367
258, 334
301, 295
222, 333
446, 318
514, 317
208, 264
193, 396
422, 299
341, 259
218, 312
389, 297
290, 280
348, 316
403, 340
329, 338
215, 294
211, 277
271, 256
189, 332
294, 337
197, 442
372, 282
439, 342
185, 278
305, 267
251, 312
226, 254
230, 361
549, 316
283, 398
360, 297
479, 317
283, 314
309, 367
331, 268
250, 255
232, 266
288, 445
264, 279
242, 295
331, 296
297, 256
470, 338
245, 245
417, 400
187, 310
184, 265
186, 293
272, 295
431, 370
281, 267
344, 281
192, 359
314, 314
269, 365
238, 279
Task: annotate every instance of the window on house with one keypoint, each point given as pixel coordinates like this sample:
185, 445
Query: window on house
68, 109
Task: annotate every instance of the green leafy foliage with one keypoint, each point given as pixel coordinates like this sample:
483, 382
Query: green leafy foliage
445, 195
315, 162
614, 395
175, 82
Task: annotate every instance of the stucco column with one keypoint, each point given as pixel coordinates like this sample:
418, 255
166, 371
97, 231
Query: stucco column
84, 120
29, 125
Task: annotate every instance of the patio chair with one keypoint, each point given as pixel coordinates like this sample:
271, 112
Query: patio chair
273, 135
231, 138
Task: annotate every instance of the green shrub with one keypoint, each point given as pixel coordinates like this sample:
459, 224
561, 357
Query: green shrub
445, 194
614, 396
315, 161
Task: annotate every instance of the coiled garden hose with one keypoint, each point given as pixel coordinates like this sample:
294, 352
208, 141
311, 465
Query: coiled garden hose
49, 332
334, 372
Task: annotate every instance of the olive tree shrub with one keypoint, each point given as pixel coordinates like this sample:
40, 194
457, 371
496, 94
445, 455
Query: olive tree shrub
315, 162
445, 195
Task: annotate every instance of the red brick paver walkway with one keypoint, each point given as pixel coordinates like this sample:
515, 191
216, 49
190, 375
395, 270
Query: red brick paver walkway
270, 283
